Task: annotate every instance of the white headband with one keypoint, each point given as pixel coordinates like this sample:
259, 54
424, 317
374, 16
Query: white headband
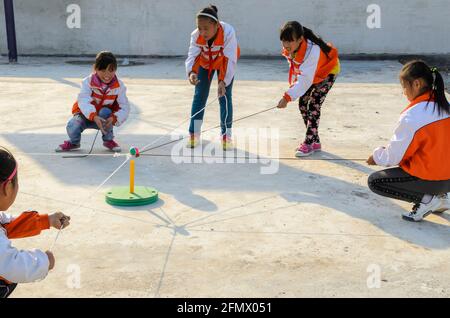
208, 15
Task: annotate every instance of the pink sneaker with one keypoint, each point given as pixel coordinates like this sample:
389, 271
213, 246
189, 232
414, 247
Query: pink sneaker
316, 146
67, 146
305, 150
112, 145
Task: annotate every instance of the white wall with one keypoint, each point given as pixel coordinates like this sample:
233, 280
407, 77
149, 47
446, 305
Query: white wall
162, 27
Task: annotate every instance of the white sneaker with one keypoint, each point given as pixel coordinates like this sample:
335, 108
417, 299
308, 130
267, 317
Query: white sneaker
422, 210
445, 201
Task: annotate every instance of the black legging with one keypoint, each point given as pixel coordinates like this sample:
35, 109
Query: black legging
6, 289
397, 184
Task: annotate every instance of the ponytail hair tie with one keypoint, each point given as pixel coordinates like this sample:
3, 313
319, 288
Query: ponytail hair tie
434, 71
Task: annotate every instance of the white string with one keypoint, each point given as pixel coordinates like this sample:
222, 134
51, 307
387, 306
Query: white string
111, 175
128, 157
88, 197
116, 154
184, 121
126, 160
56, 238
226, 115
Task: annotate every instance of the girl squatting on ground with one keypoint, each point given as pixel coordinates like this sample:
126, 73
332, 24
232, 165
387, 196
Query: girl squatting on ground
420, 147
313, 67
19, 266
101, 104
213, 48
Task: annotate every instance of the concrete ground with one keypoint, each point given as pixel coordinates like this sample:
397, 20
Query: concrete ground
312, 229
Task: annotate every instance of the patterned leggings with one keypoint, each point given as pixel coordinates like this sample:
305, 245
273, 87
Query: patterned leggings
310, 105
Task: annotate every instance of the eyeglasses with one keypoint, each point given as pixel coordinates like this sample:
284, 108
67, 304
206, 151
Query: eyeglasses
11, 177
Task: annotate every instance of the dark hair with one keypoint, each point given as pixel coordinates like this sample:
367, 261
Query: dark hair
293, 30
433, 81
7, 165
104, 60
211, 10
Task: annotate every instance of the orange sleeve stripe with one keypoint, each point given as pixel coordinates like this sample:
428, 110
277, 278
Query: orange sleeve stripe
92, 115
75, 108
196, 65
223, 68
6, 281
27, 224
111, 97
287, 97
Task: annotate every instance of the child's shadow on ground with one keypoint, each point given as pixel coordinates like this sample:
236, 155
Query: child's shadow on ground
290, 182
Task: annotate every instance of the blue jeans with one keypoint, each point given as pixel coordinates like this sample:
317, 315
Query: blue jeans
79, 123
200, 99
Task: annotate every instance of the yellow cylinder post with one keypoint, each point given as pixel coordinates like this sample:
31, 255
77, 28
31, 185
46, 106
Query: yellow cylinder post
131, 176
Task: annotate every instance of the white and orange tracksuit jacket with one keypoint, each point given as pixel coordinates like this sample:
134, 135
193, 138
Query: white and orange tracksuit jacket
309, 66
221, 56
420, 145
91, 99
20, 266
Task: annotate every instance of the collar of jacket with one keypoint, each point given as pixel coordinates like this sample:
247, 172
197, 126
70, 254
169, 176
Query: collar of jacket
219, 40
97, 83
299, 55
422, 98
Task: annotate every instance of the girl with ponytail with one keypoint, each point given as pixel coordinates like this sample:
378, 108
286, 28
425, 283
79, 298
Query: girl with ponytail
420, 147
314, 66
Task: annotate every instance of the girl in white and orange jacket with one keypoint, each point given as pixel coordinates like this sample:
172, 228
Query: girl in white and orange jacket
213, 48
420, 148
313, 68
21, 266
101, 104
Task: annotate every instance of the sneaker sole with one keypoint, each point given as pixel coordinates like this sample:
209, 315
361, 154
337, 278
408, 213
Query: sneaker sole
227, 148
114, 150
60, 150
407, 218
440, 211
301, 154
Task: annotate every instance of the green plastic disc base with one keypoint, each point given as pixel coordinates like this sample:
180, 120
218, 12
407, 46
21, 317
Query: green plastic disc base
121, 196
